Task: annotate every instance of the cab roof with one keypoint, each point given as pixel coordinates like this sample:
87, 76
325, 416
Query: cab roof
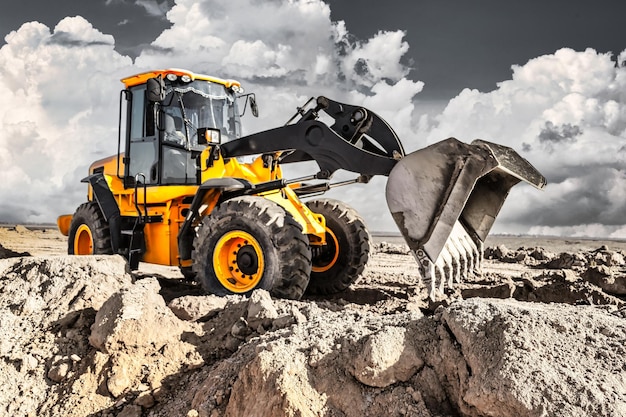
141, 78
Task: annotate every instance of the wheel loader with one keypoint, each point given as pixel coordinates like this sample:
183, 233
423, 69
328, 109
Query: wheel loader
186, 189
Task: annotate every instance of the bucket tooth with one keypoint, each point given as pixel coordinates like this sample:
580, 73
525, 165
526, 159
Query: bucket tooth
459, 259
455, 262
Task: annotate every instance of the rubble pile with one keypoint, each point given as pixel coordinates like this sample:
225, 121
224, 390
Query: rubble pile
82, 336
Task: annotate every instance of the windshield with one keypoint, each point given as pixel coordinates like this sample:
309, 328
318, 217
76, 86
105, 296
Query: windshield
199, 104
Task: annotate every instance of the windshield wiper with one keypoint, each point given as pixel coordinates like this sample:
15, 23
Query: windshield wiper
187, 122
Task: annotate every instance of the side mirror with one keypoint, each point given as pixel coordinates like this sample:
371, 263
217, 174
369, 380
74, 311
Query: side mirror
253, 106
155, 88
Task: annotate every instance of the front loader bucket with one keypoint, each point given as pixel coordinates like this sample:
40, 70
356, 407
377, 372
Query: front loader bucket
445, 198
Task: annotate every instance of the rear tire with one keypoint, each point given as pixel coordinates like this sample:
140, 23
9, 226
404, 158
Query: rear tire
248, 243
341, 262
89, 233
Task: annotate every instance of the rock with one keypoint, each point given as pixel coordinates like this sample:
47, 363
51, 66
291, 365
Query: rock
261, 310
142, 339
196, 307
43, 299
283, 321
541, 254
520, 257
119, 380
130, 411
21, 229
145, 400
480, 357
499, 252
240, 329
362, 353
566, 261
40, 295
129, 318
387, 357
603, 277
29, 363
297, 314
288, 382
391, 248
521, 358
59, 372
607, 257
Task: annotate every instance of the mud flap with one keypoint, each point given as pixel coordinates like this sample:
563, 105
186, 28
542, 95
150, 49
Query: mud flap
445, 198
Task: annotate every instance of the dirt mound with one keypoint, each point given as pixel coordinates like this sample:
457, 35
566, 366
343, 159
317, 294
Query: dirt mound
80, 336
8, 253
473, 358
47, 306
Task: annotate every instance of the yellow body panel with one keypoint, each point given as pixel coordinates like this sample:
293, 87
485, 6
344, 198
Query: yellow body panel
63, 222
167, 206
172, 202
312, 224
145, 76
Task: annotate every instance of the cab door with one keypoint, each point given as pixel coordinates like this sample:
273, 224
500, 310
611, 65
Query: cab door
142, 151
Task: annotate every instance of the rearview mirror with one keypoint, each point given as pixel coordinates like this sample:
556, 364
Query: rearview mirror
253, 106
155, 88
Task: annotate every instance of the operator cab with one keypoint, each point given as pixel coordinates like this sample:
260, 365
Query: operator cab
166, 110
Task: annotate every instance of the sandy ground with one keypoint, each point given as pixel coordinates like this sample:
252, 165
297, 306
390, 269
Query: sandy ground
46, 240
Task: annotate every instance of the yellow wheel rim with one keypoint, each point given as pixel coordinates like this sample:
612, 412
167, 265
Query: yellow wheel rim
323, 265
83, 241
238, 261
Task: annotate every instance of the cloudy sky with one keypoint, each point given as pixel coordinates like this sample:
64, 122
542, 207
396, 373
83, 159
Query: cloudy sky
547, 78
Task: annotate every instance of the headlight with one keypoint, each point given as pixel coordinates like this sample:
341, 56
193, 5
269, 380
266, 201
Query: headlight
185, 78
171, 77
214, 136
208, 135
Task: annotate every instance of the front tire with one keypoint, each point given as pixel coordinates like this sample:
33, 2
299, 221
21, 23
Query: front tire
248, 243
89, 233
339, 263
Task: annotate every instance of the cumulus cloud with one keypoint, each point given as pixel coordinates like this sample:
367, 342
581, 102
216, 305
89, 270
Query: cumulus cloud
565, 112
154, 8
57, 114
302, 53
552, 133
157, 8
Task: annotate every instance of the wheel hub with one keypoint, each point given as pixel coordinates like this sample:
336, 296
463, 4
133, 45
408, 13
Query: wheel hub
326, 257
83, 241
238, 261
247, 260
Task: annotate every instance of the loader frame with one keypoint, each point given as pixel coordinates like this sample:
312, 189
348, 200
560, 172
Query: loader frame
152, 221
181, 162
